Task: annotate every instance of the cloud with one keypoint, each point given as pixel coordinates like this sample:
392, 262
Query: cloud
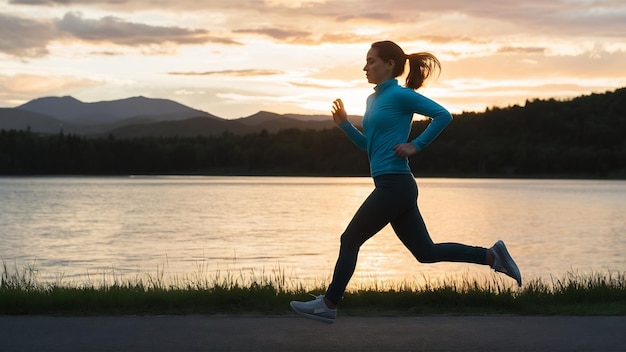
31, 37
146, 5
115, 30
38, 2
344, 38
236, 73
368, 17
521, 50
494, 17
449, 39
41, 83
20, 88
68, 2
276, 33
535, 65
322, 84
506, 48
28, 37
311, 85
566, 17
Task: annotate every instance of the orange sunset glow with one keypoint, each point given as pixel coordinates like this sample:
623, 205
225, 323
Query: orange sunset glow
234, 58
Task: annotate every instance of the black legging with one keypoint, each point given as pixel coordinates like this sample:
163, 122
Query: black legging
394, 200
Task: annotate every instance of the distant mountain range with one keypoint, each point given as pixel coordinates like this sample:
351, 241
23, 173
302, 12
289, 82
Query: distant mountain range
144, 117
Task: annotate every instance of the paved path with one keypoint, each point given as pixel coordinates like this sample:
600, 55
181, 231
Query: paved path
292, 333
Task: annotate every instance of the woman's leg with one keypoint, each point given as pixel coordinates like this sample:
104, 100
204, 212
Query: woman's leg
411, 230
377, 210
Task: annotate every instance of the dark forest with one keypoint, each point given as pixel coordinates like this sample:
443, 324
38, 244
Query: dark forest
579, 138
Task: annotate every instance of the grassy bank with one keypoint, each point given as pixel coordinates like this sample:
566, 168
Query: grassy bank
575, 294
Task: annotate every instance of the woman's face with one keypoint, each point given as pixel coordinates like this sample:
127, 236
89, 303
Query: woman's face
376, 70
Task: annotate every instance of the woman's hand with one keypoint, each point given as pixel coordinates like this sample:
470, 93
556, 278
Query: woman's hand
405, 150
339, 113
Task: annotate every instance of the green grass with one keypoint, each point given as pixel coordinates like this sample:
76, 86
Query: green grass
269, 293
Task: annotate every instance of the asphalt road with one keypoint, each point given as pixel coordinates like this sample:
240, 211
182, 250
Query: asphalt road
292, 333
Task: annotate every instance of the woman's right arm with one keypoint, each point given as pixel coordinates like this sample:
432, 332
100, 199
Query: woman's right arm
341, 119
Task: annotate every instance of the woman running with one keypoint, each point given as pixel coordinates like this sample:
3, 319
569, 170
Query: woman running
386, 127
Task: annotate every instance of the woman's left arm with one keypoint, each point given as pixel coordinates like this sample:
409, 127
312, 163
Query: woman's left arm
440, 118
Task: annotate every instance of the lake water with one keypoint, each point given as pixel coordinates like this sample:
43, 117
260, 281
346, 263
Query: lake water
80, 228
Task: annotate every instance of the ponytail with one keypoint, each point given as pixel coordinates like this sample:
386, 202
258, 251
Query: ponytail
422, 65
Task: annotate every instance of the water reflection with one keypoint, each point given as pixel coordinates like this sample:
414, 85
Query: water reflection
71, 227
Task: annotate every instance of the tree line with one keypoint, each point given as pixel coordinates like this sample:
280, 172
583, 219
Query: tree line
583, 137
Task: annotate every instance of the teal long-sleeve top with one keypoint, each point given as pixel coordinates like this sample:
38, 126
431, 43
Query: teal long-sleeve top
387, 122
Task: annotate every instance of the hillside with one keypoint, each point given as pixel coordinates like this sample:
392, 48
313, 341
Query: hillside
582, 138
273, 122
69, 109
262, 121
143, 117
14, 119
193, 127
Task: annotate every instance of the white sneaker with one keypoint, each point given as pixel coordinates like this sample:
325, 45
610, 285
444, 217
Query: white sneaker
504, 263
315, 309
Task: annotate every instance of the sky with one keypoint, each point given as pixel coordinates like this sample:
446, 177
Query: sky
233, 58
